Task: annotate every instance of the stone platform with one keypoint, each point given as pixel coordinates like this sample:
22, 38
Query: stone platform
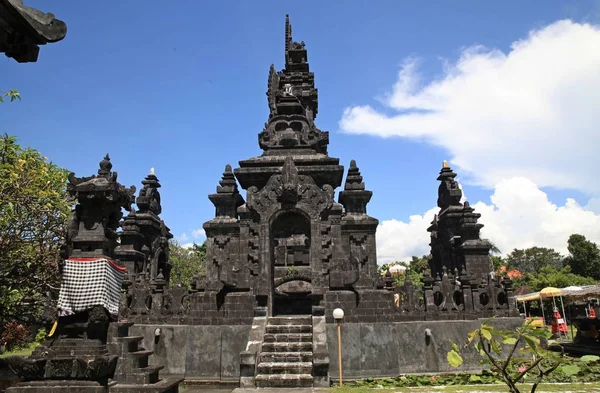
390, 349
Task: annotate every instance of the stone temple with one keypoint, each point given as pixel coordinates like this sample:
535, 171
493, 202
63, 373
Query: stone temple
290, 243
281, 259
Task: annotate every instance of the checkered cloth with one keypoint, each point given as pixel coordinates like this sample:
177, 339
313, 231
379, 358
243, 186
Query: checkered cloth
89, 282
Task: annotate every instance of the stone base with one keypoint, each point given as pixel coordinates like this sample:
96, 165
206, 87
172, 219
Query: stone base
58, 387
391, 349
168, 385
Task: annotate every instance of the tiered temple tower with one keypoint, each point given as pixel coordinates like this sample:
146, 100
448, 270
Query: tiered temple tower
289, 242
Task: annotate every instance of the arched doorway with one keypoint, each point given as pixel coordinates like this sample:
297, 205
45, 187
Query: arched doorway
290, 264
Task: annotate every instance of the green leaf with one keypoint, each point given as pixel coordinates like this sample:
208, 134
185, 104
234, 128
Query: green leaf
570, 369
589, 358
454, 359
486, 334
496, 347
509, 341
474, 378
471, 336
455, 347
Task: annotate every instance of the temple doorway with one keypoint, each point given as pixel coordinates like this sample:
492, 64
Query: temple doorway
290, 264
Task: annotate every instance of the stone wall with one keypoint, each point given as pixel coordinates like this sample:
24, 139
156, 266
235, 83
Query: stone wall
209, 353
390, 349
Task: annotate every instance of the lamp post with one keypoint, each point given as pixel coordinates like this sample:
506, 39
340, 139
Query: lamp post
338, 315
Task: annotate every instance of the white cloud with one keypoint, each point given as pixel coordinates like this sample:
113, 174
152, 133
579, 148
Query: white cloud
198, 233
187, 245
593, 205
398, 240
183, 237
519, 215
531, 112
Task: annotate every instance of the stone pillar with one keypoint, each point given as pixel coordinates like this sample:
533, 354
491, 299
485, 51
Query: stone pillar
358, 230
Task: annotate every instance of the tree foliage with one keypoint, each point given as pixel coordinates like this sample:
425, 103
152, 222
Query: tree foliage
550, 277
512, 354
531, 260
186, 262
585, 256
10, 95
33, 215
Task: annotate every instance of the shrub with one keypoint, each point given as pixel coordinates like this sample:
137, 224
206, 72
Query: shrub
14, 335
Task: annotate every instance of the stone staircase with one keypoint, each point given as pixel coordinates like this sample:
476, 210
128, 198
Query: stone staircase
133, 372
286, 358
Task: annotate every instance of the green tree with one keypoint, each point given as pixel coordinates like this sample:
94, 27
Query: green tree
186, 262
514, 355
585, 257
497, 262
33, 214
531, 260
493, 249
548, 276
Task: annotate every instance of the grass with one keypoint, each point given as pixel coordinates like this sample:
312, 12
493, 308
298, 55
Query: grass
25, 351
543, 388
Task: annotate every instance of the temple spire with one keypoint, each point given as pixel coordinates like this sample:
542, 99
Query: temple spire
288, 36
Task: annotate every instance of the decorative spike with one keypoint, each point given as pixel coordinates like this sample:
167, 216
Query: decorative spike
354, 180
445, 164
227, 185
152, 172
288, 35
105, 165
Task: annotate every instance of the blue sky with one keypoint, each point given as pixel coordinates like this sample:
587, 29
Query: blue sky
181, 88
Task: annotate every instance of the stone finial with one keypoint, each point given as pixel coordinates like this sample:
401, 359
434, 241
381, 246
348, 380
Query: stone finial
449, 193
355, 197
149, 198
354, 180
227, 184
445, 164
105, 166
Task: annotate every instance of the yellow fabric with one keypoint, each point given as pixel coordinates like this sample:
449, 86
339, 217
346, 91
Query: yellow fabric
53, 329
550, 292
528, 297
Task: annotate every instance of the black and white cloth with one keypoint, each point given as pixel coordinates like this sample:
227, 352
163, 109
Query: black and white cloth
90, 282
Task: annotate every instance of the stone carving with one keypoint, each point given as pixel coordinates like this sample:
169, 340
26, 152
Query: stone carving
290, 246
290, 190
95, 219
177, 300
23, 29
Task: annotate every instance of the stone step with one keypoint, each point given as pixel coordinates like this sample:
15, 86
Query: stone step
287, 347
285, 368
286, 357
168, 385
284, 380
122, 328
134, 360
288, 337
141, 376
289, 329
131, 343
290, 320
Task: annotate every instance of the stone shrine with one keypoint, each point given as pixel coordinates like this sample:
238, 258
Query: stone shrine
90, 352
282, 258
290, 242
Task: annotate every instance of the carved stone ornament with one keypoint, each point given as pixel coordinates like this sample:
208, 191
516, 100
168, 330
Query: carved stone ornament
290, 190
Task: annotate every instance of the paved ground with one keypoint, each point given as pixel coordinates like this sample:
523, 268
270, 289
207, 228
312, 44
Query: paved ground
201, 389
